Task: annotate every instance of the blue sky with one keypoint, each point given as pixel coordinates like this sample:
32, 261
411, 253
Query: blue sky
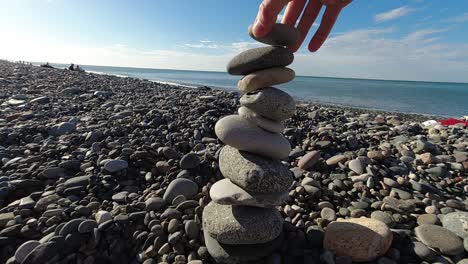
384, 39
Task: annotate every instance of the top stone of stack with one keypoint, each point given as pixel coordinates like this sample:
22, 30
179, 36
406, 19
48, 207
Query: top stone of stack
280, 35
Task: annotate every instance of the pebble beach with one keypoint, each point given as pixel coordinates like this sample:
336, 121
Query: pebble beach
106, 169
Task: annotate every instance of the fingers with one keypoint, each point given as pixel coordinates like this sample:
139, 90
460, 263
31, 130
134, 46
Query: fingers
267, 15
293, 11
311, 12
328, 21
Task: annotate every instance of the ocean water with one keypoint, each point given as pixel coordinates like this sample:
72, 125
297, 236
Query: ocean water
431, 98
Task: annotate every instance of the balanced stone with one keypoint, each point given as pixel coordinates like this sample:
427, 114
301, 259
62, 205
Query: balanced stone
235, 254
241, 134
279, 35
363, 239
236, 225
265, 78
226, 192
267, 124
271, 103
254, 173
440, 238
253, 60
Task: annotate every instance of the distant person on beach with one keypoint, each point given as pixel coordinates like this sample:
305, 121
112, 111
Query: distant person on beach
269, 10
71, 67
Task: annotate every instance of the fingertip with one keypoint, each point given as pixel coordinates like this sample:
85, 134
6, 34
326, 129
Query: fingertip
313, 47
259, 30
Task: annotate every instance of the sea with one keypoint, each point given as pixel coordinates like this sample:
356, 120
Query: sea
428, 98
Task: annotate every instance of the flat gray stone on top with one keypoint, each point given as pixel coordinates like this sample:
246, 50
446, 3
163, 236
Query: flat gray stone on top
226, 192
280, 35
254, 173
256, 59
237, 225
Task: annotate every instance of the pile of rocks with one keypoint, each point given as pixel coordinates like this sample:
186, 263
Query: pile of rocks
241, 223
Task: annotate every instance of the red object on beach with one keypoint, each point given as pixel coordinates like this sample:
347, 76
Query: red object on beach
452, 121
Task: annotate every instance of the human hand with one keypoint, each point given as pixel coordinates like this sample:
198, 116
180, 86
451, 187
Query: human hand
269, 10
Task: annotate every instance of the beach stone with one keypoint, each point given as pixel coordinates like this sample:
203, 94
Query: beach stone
102, 216
270, 102
236, 225
120, 197
309, 160
24, 250
439, 238
336, 159
457, 222
279, 35
422, 251
192, 229
41, 204
62, 129
189, 161
254, 173
356, 166
43, 253
239, 133
227, 193
180, 186
77, 181
384, 217
235, 254
267, 124
154, 204
328, 214
363, 239
115, 165
87, 226
265, 78
256, 59
428, 219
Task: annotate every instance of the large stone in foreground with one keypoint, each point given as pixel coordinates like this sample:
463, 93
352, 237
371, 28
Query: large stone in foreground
363, 239
240, 225
254, 173
279, 35
457, 222
271, 103
253, 60
226, 192
235, 254
442, 239
241, 134
265, 78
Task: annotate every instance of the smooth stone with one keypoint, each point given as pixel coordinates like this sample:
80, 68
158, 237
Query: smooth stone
428, 219
70, 227
87, 226
180, 186
227, 193
62, 129
43, 253
384, 217
77, 181
236, 254
440, 238
422, 251
41, 204
189, 161
115, 165
254, 173
267, 124
256, 59
265, 78
120, 197
23, 251
328, 214
336, 159
457, 222
309, 160
241, 134
279, 35
363, 239
154, 203
192, 229
102, 216
237, 225
356, 166
270, 102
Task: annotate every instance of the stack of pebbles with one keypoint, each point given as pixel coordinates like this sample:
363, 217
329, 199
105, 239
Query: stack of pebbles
241, 224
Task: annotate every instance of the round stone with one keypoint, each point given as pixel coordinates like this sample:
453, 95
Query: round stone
103, 216
87, 226
279, 35
154, 203
192, 229
190, 161
308, 160
180, 186
265, 78
439, 238
226, 192
237, 225
115, 165
235, 254
356, 166
383, 217
254, 173
363, 239
328, 214
256, 59
267, 124
428, 219
241, 134
457, 222
271, 103
23, 251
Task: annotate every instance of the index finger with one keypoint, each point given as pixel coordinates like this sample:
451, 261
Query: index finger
267, 15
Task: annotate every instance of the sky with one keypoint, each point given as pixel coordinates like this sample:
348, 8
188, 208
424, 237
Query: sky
378, 39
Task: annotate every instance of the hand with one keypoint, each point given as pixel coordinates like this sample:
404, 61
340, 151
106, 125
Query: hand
269, 10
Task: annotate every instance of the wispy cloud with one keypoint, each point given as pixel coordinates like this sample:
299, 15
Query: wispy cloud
458, 19
393, 14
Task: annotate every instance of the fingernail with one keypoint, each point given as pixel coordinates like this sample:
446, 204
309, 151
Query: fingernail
258, 29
